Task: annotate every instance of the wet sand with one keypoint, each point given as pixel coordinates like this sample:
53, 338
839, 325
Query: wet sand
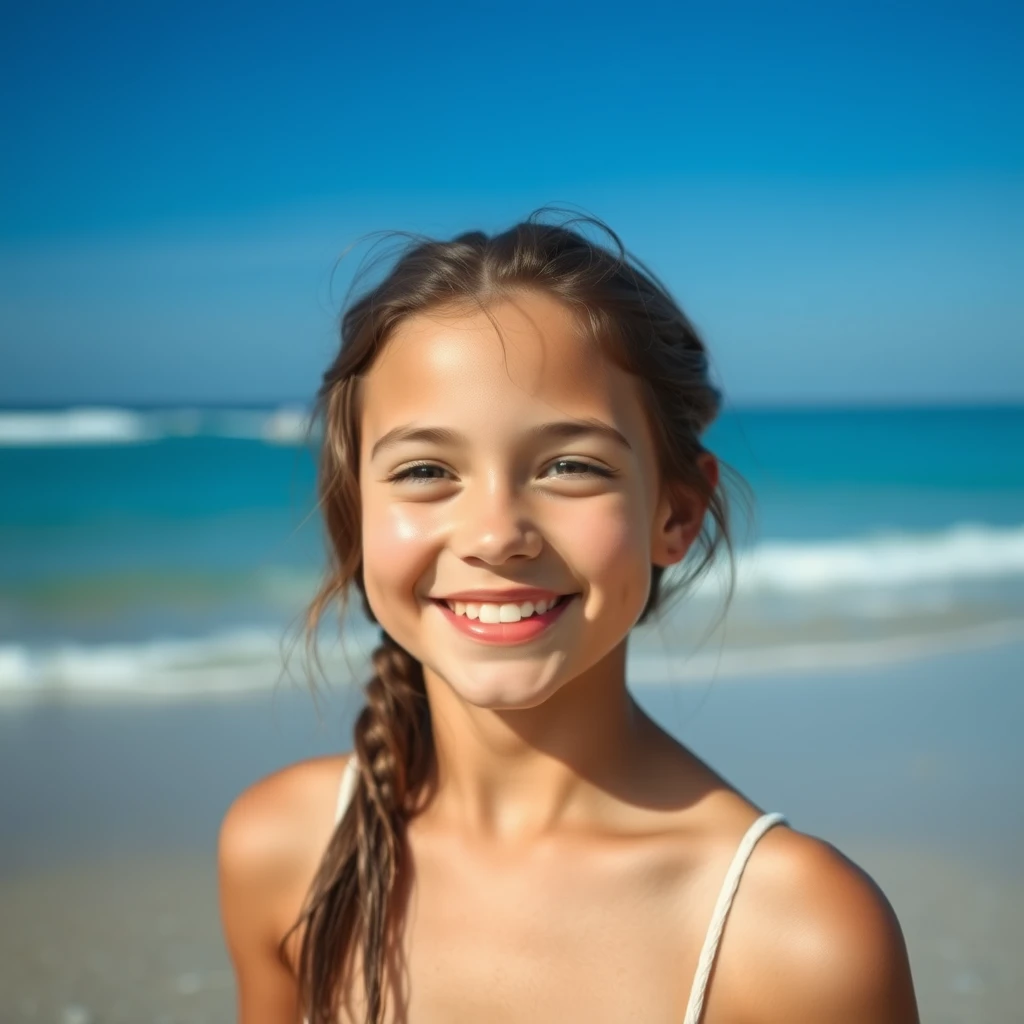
107, 876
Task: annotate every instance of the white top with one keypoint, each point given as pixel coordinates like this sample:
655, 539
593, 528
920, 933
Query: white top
350, 779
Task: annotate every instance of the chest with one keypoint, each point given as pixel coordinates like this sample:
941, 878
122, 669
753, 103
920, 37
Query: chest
593, 933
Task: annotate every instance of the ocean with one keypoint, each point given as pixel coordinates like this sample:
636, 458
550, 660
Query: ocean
154, 569
167, 552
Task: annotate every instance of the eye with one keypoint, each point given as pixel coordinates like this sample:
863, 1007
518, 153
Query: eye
420, 472
580, 469
428, 472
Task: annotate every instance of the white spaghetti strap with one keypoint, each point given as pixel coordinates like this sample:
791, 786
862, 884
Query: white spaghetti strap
347, 788
732, 880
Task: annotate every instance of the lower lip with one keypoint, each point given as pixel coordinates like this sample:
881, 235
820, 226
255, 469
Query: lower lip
506, 632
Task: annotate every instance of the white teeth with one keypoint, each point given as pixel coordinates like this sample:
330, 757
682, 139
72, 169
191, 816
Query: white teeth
486, 612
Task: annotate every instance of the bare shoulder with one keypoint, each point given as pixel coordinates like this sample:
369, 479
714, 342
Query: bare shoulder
271, 842
281, 818
812, 937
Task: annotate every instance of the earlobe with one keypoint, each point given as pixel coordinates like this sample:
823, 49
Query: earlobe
673, 537
681, 515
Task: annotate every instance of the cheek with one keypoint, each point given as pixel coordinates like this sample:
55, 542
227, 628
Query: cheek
611, 549
396, 545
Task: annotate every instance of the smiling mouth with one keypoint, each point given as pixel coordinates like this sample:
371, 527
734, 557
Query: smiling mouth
492, 612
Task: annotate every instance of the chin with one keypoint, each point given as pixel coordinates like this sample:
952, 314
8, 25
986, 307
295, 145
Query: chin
501, 688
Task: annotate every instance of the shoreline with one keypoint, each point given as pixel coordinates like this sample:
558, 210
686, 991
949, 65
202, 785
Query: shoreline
647, 666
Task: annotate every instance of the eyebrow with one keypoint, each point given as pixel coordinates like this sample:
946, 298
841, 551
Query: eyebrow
562, 430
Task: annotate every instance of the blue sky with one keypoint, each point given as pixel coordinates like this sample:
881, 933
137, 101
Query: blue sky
834, 191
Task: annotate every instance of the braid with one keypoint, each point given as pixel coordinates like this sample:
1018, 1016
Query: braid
391, 743
351, 906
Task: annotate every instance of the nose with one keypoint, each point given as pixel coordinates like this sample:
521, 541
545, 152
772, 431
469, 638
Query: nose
493, 525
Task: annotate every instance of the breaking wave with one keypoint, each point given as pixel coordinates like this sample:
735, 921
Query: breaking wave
99, 426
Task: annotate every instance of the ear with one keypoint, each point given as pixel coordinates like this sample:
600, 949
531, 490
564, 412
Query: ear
680, 515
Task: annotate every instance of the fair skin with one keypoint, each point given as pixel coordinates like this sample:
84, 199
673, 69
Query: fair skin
566, 866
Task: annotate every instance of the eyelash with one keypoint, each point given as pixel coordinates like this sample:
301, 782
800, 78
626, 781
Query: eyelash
590, 470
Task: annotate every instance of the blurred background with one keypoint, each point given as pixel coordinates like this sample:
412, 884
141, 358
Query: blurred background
835, 193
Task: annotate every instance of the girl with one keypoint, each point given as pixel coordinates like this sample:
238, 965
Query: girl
511, 462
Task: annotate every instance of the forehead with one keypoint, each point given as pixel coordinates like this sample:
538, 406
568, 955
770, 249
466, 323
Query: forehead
452, 364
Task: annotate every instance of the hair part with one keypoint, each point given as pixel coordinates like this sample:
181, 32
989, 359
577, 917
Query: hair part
351, 917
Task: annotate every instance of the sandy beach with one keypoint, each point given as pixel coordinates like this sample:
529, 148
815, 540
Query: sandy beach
107, 875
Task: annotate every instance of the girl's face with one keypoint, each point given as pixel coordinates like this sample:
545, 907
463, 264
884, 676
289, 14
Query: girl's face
491, 468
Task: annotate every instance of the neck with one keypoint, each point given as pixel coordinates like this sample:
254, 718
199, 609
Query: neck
515, 774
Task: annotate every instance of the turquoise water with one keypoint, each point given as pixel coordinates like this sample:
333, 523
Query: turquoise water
173, 548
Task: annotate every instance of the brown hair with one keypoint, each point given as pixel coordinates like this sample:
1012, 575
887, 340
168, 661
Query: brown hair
351, 915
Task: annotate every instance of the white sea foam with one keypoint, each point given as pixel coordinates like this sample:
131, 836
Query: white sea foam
111, 426
285, 426
86, 426
231, 662
882, 563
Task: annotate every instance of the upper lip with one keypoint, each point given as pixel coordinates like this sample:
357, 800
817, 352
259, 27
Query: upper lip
515, 596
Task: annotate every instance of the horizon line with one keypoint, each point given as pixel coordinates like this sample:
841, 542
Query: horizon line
265, 404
